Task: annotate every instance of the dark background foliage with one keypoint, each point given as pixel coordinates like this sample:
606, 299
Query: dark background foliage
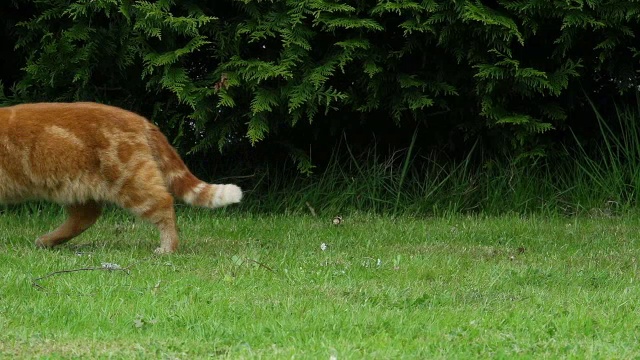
255, 82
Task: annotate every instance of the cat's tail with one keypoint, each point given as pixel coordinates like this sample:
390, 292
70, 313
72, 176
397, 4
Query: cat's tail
183, 184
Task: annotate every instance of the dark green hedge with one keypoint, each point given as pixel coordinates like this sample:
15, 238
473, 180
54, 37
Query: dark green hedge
222, 73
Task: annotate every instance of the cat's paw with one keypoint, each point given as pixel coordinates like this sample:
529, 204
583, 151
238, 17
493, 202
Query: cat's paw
42, 243
162, 251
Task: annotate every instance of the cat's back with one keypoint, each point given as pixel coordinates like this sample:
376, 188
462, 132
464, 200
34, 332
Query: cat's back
71, 115
69, 125
68, 151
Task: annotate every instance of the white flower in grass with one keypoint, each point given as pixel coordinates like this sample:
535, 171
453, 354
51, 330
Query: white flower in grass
323, 246
334, 355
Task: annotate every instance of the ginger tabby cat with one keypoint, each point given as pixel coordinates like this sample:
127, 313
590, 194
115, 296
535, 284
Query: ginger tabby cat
81, 155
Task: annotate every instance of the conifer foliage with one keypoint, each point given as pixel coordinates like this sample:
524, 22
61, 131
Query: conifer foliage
215, 73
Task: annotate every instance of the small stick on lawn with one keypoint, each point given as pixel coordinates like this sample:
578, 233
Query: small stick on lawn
260, 264
106, 267
311, 209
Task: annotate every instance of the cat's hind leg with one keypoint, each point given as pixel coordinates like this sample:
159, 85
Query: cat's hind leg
145, 194
162, 215
81, 217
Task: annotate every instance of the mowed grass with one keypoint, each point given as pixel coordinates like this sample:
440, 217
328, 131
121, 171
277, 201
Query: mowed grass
260, 286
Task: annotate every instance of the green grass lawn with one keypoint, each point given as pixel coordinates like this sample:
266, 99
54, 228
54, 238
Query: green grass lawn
249, 286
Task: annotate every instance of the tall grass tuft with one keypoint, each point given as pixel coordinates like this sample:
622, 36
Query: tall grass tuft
601, 177
611, 171
407, 182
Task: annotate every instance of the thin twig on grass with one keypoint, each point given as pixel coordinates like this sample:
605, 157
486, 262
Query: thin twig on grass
311, 209
259, 264
104, 267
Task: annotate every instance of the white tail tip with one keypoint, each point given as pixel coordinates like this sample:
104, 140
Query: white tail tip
226, 194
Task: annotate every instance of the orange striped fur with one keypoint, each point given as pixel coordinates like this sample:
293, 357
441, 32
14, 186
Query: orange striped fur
82, 155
